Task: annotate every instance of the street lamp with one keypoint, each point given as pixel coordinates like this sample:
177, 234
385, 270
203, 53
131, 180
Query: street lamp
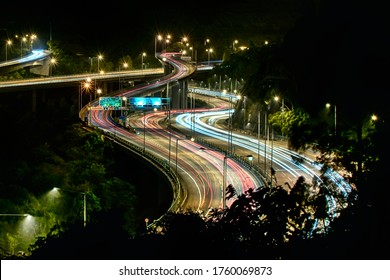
55, 189
234, 42
24, 232
142, 60
125, 65
99, 57
208, 55
32, 38
328, 105
87, 86
84, 86
124, 104
22, 39
167, 41
53, 62
7, 43
99, 91
276, 98
230, 127
156, 38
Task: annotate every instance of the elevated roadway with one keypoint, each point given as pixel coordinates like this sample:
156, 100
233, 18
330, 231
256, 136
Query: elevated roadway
37, 60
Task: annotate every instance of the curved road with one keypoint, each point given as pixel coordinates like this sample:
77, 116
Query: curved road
201, 170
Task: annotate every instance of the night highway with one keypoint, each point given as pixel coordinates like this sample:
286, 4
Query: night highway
200, 170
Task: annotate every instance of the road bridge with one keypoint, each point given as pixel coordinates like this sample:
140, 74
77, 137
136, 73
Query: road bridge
109, 83
38, 61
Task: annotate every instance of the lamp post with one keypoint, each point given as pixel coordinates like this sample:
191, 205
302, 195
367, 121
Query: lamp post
276, 98
99, 57
144, 121
7, 43
208, 55
85, 86
32, 38
142, 60
156, 38
125, 65
84, 202
124, 104
224, 181
266, 137
233, 46
98, 92
22, 39
230, 127
328, 105
53, 62
167, 41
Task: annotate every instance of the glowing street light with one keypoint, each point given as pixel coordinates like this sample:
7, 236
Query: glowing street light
328, 105
167, 41
52, 63
208, 55
26, 226
142, 60
99, 57
87, 87
22, 39
157, 38
7, 43
55, 189
234, 43
125, 65
33, 37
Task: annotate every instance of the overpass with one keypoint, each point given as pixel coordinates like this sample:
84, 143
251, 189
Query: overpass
40, 59
77, 79
38, 62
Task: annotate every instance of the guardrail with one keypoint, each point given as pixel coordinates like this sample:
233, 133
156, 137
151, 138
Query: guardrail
162, 165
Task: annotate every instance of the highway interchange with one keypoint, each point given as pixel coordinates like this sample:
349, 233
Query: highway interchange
186, 144
178, 138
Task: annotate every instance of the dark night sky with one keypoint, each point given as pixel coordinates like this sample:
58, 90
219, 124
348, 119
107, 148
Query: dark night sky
131, 25
129, 21
344, 40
